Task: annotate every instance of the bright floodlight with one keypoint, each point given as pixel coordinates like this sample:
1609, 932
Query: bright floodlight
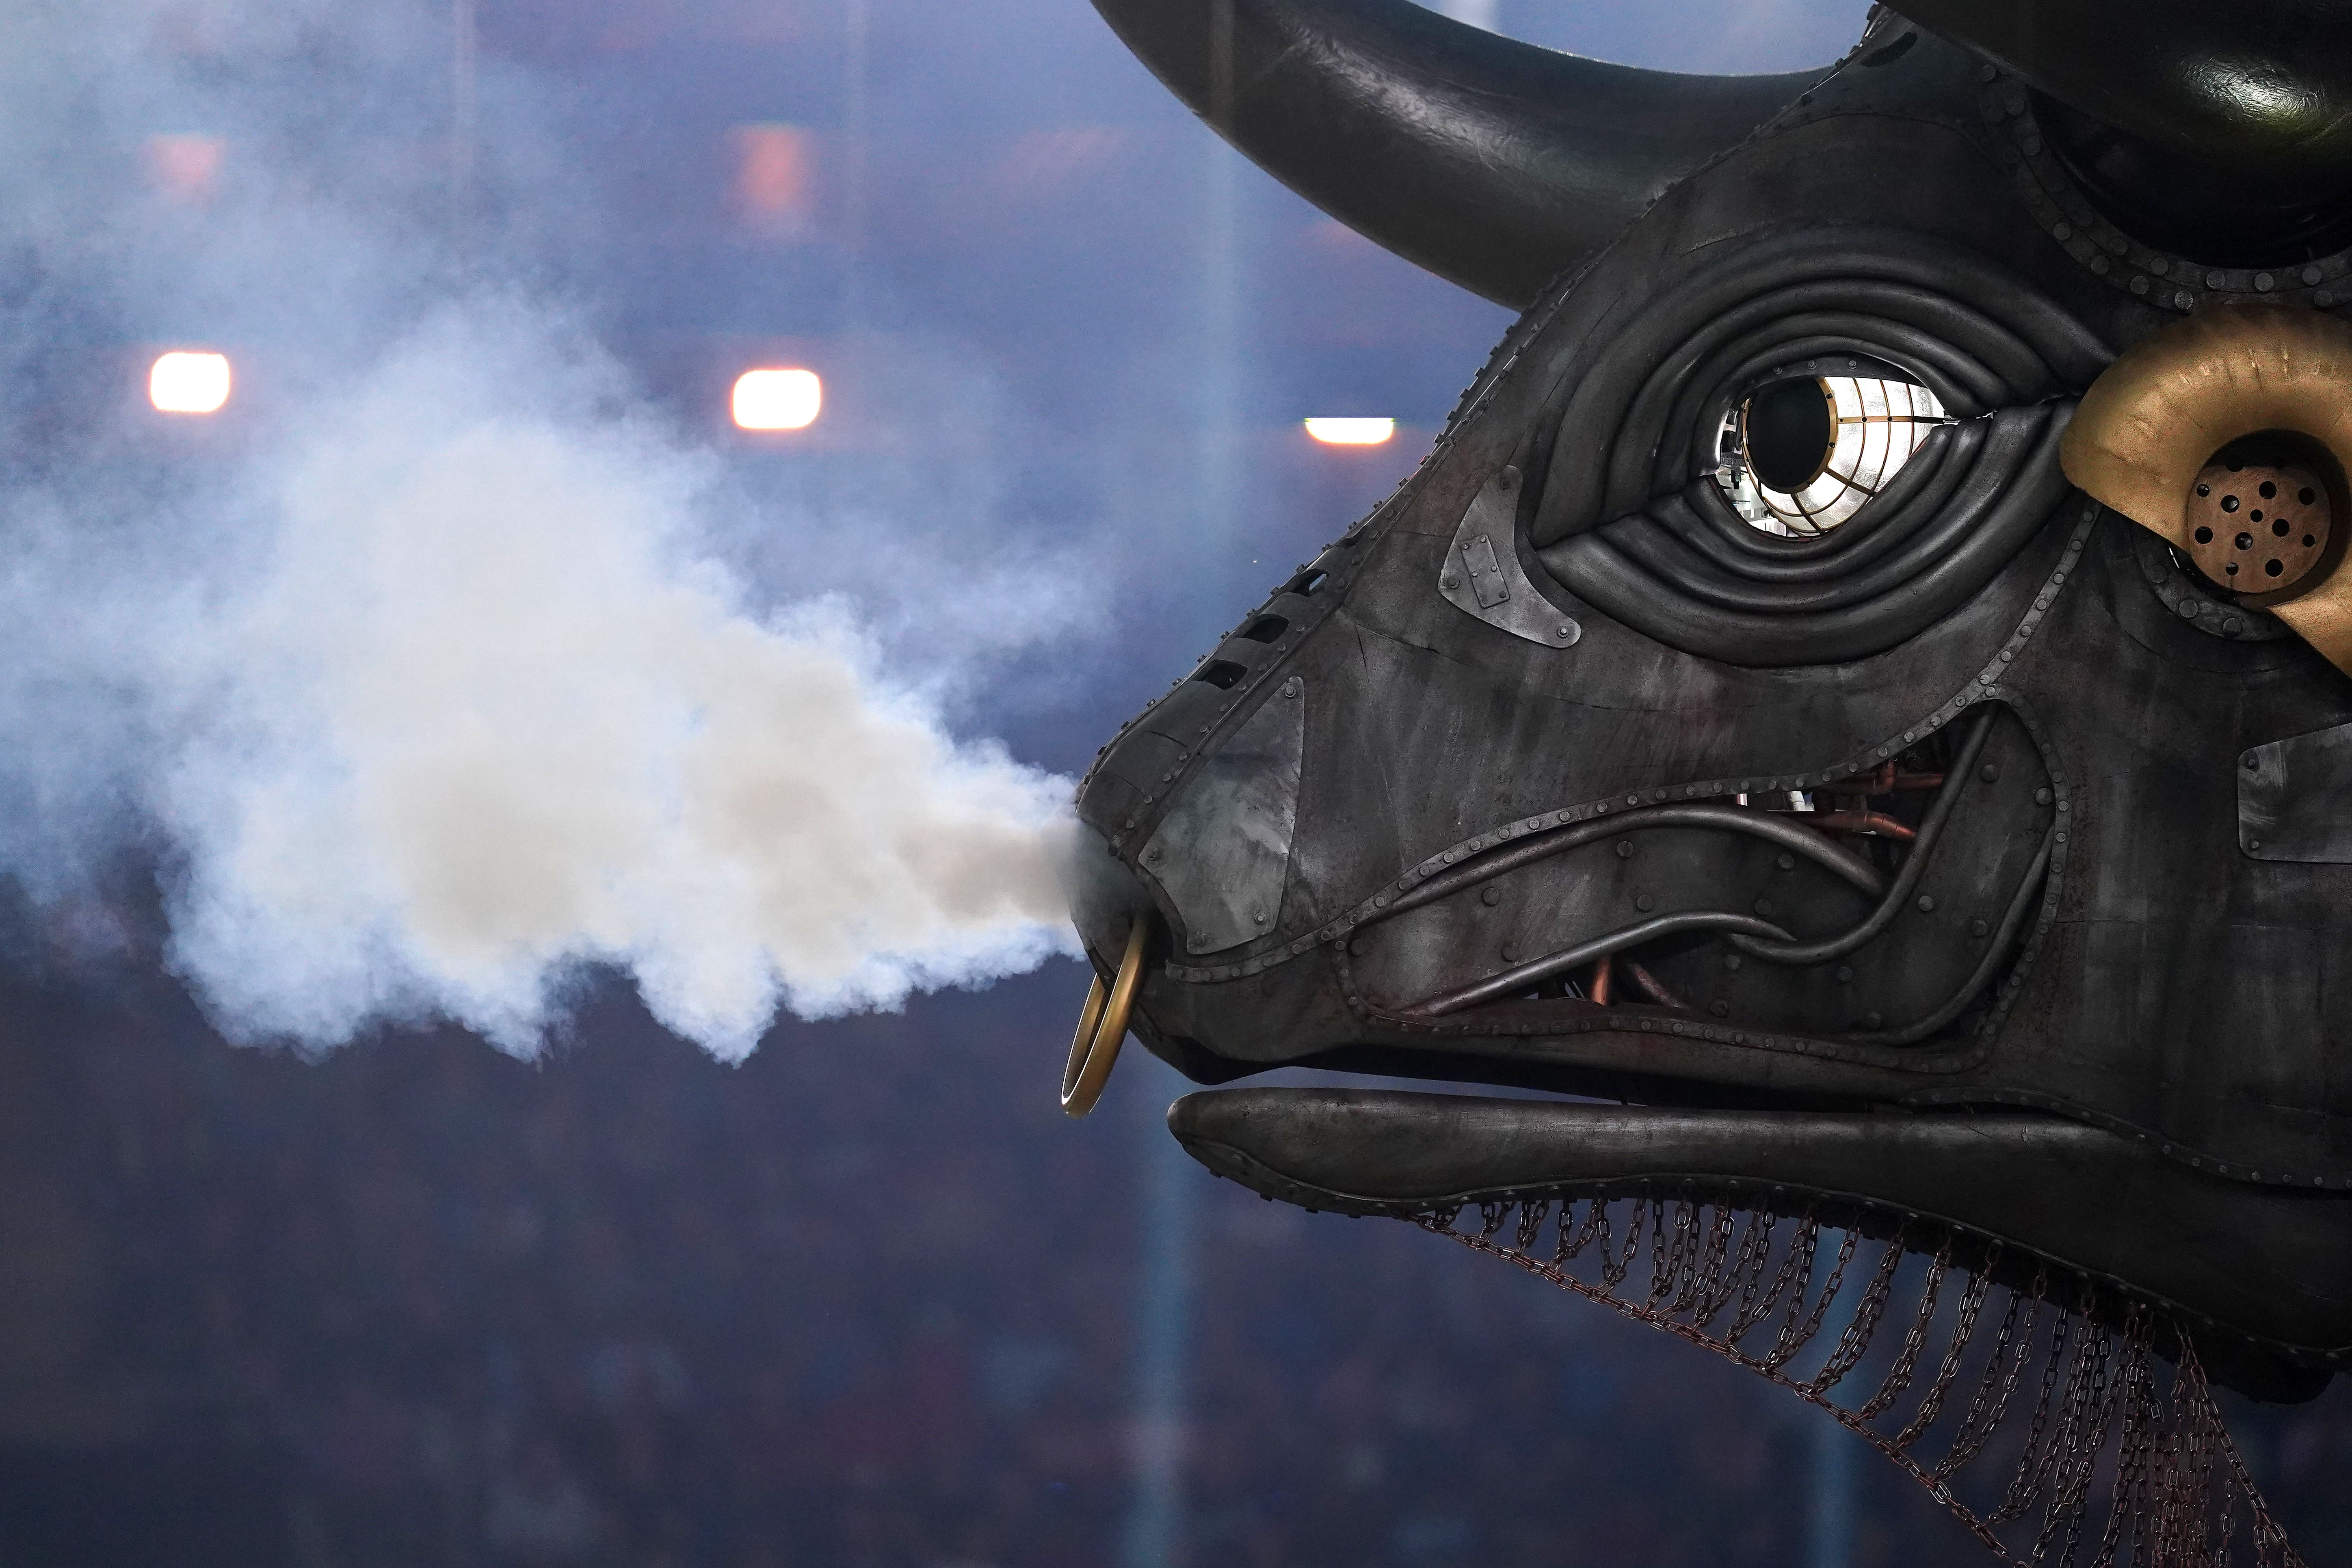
184, 383
778, 399
1352, 432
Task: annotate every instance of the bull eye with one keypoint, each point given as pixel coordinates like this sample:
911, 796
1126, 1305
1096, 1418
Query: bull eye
1799, 455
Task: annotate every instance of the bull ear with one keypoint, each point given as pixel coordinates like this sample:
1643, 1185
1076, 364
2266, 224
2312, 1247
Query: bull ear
1494, 164
2257, 89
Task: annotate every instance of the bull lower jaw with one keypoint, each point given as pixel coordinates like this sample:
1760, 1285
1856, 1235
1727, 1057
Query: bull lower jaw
2264, 1265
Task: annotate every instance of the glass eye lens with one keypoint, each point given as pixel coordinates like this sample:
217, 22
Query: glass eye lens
1801, 455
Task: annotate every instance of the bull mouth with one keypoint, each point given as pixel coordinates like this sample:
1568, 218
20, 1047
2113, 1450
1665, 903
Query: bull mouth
2009, 1307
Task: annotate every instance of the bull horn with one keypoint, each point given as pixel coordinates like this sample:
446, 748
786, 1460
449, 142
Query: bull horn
1494, 164
2258, 91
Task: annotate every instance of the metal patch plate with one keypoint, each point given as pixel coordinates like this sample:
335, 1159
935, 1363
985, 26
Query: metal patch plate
2294, 799
1223, 849
1482, 576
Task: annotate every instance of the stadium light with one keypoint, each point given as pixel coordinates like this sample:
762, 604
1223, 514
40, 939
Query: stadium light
778, 399
183, 382
1352, 432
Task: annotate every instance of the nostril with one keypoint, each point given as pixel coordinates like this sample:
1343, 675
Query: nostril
1265, 628
1220, 673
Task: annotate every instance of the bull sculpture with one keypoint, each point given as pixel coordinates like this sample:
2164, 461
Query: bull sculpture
1856, 695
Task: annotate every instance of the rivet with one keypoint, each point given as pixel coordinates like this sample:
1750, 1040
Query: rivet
1720, 1009
2262, 281
2213, 279
2312, 275
1491, 897
1643, 903
1845, 974
2183, 300
1989, 772
1732, 961
1926, 903
2253, 762
1872, 1020
1786, 861
1764, 908
1625, 847
1510, 953
1977, 928
2139, 285
2253, 844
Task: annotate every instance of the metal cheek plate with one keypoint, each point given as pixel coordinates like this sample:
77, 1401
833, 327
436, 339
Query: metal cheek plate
1223, 851
2294, 799
1482, 574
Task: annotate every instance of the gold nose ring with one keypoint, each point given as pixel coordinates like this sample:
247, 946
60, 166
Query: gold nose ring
1102, 1027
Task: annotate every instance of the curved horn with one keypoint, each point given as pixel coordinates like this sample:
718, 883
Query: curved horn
2261, 86
1491, 163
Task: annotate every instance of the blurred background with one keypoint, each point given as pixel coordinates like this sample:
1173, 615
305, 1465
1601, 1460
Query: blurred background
866, 1299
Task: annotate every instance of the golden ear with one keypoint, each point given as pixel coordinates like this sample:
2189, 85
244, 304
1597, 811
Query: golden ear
2228, 435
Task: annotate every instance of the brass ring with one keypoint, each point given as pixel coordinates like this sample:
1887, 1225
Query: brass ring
1102, 1027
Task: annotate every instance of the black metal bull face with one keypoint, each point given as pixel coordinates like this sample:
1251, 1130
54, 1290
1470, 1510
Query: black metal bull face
1781, 704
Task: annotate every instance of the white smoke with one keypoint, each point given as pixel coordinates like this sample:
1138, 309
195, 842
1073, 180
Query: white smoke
436, 690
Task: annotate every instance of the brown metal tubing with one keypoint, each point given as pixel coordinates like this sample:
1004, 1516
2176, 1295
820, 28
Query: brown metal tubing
1778, 828
1862, 822
1915, 866
1584, 953
1597, 992
1650, 985
2002, 940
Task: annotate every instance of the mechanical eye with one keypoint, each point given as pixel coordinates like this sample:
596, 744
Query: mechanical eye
1801, 455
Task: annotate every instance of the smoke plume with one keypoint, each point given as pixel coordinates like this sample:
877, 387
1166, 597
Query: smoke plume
427, 684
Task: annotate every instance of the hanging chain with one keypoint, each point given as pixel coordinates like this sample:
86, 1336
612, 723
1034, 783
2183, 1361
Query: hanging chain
2176, 1494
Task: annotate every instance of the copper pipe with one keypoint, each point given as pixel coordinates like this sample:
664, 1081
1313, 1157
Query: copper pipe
1597, 991
1650, 986
1876, 822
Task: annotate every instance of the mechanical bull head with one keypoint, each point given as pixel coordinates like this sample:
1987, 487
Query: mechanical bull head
1858, 686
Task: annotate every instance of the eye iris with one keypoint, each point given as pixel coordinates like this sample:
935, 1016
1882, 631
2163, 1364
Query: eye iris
1799, 455
1790, 426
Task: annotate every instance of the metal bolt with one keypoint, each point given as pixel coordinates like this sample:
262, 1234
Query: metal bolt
1258, 915
1293, 686
1491, 897
1926, 903
2254, 764
2253, 844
